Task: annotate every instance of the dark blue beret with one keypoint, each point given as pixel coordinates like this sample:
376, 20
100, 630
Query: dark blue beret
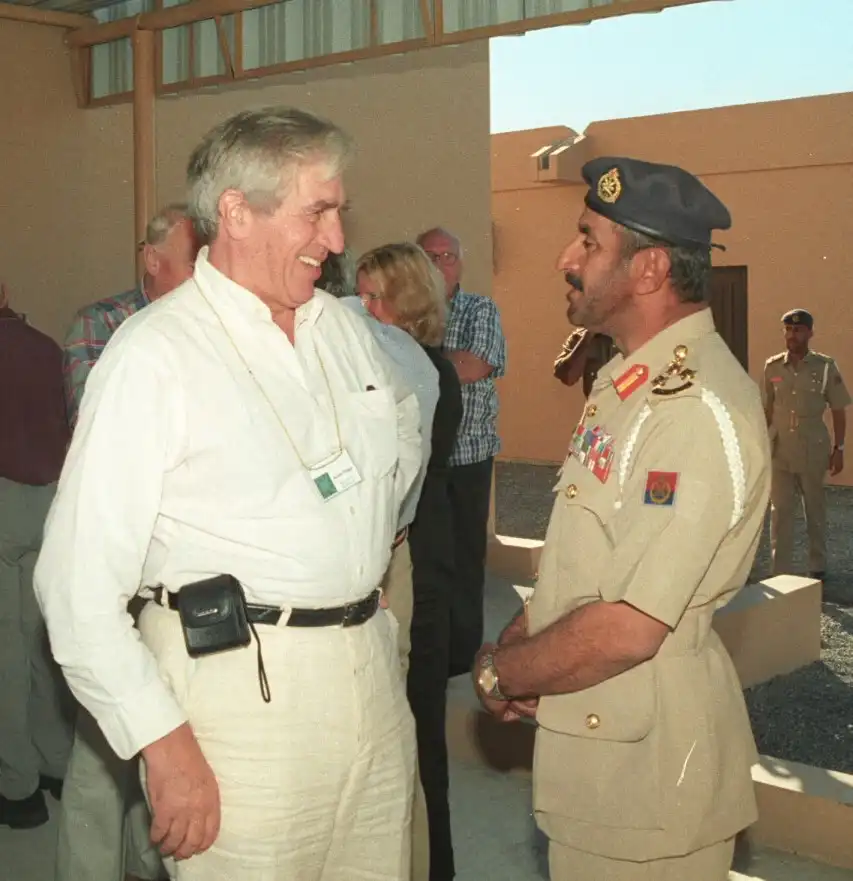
661, 201
798, 316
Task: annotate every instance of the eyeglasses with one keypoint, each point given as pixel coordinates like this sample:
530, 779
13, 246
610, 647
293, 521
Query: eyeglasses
371, 296
445, 258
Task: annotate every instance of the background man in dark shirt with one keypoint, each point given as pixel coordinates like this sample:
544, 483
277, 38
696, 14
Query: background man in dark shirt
35, 732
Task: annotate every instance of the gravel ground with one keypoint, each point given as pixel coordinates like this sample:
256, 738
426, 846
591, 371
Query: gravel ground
806, 716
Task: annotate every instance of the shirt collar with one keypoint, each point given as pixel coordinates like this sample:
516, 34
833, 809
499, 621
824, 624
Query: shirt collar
806, 357
208, 276
659, 349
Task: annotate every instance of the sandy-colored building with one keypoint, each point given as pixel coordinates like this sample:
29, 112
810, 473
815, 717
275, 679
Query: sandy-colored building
67, 228
785, 169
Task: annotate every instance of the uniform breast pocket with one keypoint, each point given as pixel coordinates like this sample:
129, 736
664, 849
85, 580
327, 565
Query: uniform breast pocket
372, 429
584, 509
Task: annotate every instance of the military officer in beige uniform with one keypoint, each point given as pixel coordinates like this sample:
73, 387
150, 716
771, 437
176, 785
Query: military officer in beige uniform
644, 748
798, 387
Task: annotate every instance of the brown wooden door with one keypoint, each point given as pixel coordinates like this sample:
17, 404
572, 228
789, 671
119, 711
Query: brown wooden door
729, 305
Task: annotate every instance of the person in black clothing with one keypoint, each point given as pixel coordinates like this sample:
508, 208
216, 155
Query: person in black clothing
411, 297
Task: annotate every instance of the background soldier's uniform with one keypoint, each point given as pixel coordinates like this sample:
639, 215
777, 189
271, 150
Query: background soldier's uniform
796, 396
654, 764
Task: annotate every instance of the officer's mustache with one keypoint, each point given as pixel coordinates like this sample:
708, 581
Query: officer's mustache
574, 281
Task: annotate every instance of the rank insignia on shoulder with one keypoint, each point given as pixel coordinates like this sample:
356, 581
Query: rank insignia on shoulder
630, 381
660, 488
675, 372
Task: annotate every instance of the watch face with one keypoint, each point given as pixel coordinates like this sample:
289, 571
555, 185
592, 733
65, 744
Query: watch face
488, 680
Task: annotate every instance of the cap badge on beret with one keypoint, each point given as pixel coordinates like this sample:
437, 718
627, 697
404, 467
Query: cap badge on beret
795, 318
610, 186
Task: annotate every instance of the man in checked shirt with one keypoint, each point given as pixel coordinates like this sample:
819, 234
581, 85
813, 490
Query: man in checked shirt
475, 344
95, 839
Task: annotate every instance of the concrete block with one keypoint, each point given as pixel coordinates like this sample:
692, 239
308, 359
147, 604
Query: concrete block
772, 628
514, 558
804, 810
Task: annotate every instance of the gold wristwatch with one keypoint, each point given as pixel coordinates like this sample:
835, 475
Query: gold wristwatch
488, 678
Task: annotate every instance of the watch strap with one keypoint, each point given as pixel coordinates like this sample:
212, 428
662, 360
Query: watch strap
487, 662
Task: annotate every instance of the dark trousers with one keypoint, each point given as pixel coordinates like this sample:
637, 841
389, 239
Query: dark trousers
431, 546
470, 489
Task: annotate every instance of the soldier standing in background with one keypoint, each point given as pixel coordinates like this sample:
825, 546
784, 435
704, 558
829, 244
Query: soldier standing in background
798, 387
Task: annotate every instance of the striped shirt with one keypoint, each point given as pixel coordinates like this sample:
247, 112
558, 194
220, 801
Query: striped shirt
474, 325
86, 338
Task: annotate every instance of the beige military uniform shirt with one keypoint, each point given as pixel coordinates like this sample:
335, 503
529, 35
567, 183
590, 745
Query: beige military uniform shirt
797, 396
659, 504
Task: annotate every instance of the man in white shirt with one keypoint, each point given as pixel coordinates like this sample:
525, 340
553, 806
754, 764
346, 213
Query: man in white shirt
271, 443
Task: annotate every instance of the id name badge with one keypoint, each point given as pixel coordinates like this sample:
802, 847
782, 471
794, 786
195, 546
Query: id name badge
336, 476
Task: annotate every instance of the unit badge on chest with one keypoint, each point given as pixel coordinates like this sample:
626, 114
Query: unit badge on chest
593, 448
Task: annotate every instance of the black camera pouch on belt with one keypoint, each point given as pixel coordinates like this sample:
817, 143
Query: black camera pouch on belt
213, 616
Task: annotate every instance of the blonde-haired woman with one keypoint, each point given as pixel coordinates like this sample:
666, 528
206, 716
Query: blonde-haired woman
399, 285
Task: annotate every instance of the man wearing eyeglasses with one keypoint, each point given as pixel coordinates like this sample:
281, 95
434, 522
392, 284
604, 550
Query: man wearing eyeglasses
475, 344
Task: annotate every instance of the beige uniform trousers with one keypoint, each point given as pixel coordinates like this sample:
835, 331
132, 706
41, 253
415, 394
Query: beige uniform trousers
397, 586
709, 864
317, 784
783, 495
104, 824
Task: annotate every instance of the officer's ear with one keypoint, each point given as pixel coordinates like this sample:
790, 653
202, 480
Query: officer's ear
650, 268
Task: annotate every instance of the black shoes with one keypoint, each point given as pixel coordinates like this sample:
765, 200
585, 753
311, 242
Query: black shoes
53, 785
29, 812
23, 813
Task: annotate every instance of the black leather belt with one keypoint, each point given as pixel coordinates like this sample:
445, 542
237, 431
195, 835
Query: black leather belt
348, 615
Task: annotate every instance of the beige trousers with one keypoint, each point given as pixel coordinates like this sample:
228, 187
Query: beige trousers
317, 784
397, 587
709, 864
786, 486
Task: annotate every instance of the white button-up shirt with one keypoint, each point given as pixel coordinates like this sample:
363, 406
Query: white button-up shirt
180, 468
418, 372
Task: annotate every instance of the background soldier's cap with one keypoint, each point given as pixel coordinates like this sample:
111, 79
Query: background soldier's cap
661, 201
798, 317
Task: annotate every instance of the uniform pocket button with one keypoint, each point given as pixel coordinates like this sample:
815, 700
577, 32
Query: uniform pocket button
592, 721
571, 490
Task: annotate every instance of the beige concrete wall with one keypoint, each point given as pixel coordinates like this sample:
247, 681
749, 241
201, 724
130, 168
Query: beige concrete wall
66, 235
785, 169
66, 228
420, 163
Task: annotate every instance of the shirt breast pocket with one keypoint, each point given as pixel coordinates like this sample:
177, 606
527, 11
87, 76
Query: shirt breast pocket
585, 508
373, 430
